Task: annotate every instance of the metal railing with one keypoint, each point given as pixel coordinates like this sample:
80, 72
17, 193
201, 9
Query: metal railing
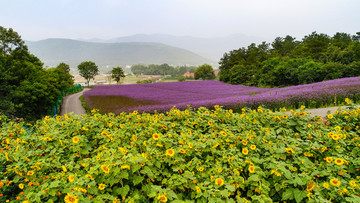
55, 110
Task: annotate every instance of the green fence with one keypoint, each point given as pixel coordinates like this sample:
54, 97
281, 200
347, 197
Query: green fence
55, 110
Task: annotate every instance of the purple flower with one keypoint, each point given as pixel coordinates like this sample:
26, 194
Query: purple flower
163, 96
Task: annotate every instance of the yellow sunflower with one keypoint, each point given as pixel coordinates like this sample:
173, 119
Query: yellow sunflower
102, 186
162, 198
182, 151
335, 182
21, 186
105, 169
251, 169
71, 199
156, 136
71, 178
170, 152
198, 189
326, 185
30, 173
245, 151
75, 140
329, 159
339, 161
219, 181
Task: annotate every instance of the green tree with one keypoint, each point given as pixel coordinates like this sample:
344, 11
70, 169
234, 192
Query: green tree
315, 45
60, 76
284, 46
310, 72
88, 70
181, 70
26, 89
205, 72
138, 69
117, 73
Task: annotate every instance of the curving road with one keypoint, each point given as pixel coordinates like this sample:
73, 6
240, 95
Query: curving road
72, 103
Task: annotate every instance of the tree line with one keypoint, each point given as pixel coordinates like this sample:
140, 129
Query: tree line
286, 61
27, 90
162, 69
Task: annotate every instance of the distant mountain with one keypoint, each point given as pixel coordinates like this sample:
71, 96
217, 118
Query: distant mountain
212, 48
73, 52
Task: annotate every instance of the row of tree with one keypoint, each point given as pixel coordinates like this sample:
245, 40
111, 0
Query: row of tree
286, 61
163, 69
89, 70
27, 89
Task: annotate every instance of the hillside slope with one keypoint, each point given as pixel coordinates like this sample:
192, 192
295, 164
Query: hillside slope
212, 48
73, 52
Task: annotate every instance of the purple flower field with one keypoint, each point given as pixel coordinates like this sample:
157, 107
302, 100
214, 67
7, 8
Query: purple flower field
164, 96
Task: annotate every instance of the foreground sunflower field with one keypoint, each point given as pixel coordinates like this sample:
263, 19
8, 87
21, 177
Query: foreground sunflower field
183, 156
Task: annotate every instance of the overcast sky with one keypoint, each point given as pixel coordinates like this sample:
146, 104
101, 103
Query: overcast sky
107, 19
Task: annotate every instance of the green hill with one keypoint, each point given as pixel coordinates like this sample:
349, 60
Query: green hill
73, 52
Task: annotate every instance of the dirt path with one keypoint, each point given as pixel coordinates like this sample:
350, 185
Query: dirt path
72, 103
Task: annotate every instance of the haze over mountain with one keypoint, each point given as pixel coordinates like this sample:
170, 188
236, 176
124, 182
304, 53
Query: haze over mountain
212, 48
73, 52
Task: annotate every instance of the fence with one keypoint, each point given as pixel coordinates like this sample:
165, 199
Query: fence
55, 110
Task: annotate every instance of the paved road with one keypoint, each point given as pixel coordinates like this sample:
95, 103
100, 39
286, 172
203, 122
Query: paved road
72, 103
322, 111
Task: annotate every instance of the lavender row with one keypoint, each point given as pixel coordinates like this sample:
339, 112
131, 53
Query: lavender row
164, 96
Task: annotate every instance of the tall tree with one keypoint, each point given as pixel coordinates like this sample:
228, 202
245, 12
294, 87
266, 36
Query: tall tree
205, 72
315, 45
284, 46
26, 90
88, 70
117, 73
138, 69
60, 76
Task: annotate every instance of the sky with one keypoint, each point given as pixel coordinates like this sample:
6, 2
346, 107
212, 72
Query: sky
108, 19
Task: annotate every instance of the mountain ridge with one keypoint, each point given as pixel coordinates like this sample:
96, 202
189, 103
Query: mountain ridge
209, 47
53, 51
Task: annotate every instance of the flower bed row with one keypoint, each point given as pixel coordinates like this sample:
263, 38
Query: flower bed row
164, 96
183, 156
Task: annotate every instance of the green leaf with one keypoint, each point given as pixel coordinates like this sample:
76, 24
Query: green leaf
92, 190
148, 172
135, 168
254, 178
172, 194
158, 164
124, 174
299, 181
116, 191
52, 192
138, 179
287, 174
124, 190
230, 201
353, 198
292, 123
299, 195
224, 193
288, 195
231, 188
